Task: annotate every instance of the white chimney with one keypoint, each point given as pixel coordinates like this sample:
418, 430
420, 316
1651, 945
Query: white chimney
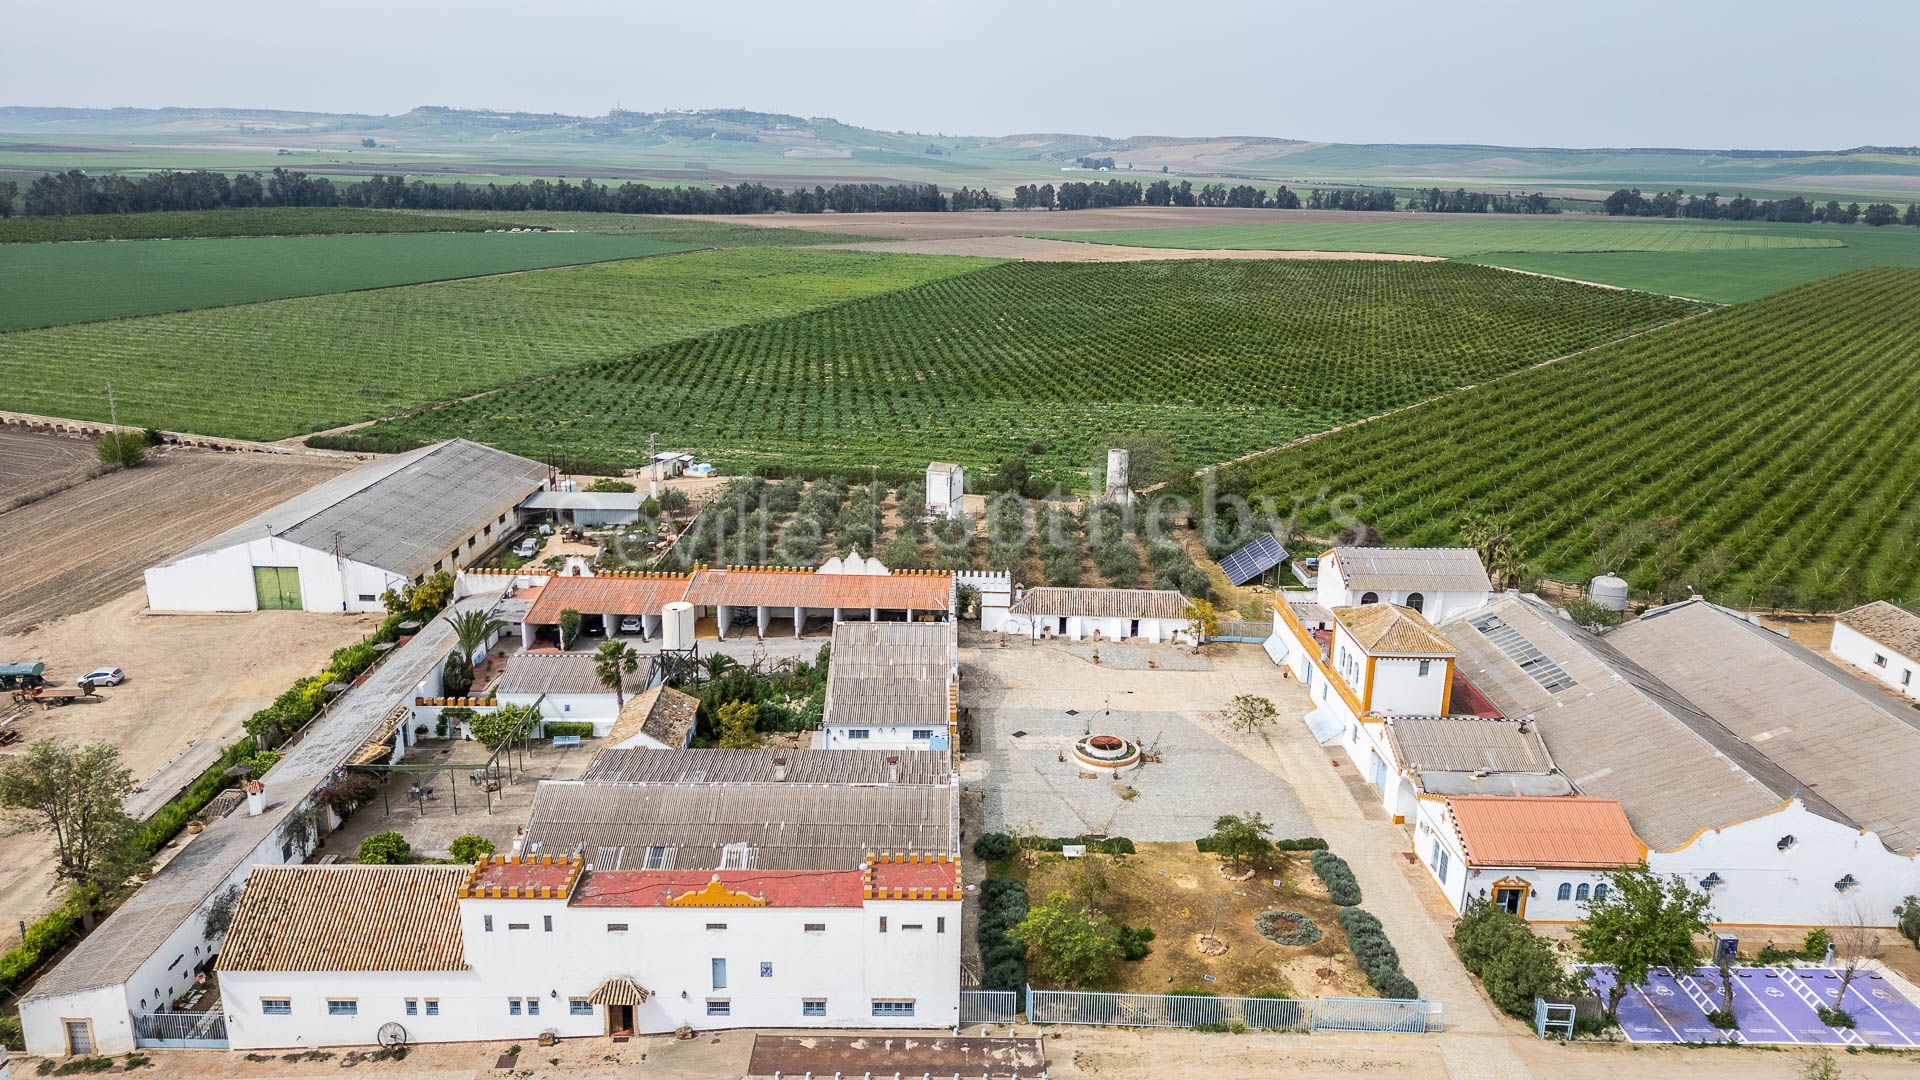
779, 769
256, 798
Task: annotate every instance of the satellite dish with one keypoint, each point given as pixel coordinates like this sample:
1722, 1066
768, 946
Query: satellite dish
392, 1035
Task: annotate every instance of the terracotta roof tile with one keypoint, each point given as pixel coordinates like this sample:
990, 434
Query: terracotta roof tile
606, 595
662, 714
1392, 630
764, 888
1894, 627
1565, 832
347, 918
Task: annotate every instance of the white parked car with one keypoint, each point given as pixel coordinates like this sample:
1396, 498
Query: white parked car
103, 676
630, 624
527, 547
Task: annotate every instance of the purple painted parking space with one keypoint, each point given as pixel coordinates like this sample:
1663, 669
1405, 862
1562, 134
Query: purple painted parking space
1773, 1005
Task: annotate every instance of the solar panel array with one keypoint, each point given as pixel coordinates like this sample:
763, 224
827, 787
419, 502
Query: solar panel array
1521, 651
1258, 557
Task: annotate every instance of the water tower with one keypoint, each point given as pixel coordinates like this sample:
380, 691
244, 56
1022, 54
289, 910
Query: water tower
1609, 591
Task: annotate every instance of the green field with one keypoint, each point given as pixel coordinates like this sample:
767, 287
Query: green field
1780, 437
1471, 235
659, 227
284, 368
1220, 357
57, 284
1730, 276
262, 221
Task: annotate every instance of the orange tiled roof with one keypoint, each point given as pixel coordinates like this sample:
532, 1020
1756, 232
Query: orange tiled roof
647, 594
1392, 630
607, 594
502, 877
347, 918
1565, 831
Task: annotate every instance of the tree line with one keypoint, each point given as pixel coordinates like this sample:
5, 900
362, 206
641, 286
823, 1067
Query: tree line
1075, 195
1629, 202
75, 192
1462, 201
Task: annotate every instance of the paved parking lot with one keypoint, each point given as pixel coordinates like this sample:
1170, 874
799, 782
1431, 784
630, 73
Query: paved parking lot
1030, 703
1773, 1005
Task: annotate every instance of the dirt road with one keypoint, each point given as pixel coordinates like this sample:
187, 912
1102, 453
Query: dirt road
932, 225
190, 677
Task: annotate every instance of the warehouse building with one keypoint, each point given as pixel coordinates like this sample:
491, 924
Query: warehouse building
1152, 615
1882, 640
893, 686
341, 545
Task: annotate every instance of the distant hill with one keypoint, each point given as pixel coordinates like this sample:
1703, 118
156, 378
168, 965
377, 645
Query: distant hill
728, 145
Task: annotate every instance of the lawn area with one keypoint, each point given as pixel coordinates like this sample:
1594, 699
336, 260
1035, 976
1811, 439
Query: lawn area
1470, 235
1775, 443
1218, 357
256, 221
1180, 893
268, 371
55, 284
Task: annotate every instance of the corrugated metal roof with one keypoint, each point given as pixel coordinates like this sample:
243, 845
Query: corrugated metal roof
1102, 603
1619, 732
1467, 743
128, 938
642, 766
662, 714
891, 673
1388, 569
1837, 739
564, 673
784, 826
585, 500
347, 918
402, 513
1391, 630
1566, 832
1895, 627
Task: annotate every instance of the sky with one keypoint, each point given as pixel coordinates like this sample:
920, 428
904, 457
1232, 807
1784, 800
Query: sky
1762, 74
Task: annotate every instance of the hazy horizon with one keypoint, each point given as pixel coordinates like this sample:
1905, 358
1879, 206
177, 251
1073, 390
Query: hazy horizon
1715, 75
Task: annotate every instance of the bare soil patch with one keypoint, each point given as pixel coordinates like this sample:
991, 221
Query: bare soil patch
32, 463
192, 680
86, 545
1180, 893
932, 225
1036, 249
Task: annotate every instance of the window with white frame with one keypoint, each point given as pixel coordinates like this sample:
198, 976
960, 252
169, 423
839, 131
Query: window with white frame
813, 1007
413, 1006
513, 1006
1425, 667
343, 1006
276, 1006
893, 1006
433, 1006
859, 733
719, 1007
1879, 660
579, 1007
923, 733
533, 1006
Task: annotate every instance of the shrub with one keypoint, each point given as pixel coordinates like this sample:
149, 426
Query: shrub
994, 846
121, 449
1286, 927
1909, 915
607, 483
385, 848
1375, 954
1514, 963
470, 848
569, 627
1838, 1018
1003, 905
582, 728
1814, 946
1134, 942
1334, 872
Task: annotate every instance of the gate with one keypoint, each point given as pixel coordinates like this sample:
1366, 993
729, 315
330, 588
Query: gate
1167, 1010
989, 1006
1253, 631
206, 1030
1375, 1014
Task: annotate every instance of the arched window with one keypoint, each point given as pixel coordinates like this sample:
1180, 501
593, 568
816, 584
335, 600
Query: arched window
1417, 602
1581, 892
1566, 891
1600, 891
1369, 598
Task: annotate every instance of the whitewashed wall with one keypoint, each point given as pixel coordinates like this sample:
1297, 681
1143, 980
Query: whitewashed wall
223, 580
1902, 673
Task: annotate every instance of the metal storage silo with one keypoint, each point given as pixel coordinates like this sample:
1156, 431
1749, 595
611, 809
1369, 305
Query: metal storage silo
1609, 592
676, 625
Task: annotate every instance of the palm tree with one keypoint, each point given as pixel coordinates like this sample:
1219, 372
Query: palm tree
472, 629
718, 664
613, 662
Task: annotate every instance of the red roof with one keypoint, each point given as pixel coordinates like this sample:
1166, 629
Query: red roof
1467, 700
605, 595
1559, 831
922, 875
919, 591
778, 888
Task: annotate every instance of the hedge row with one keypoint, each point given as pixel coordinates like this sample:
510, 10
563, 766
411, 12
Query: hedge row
582, 728
1003, 906
43, 938
1377, 956
1304, 843
995, 846
1334, 872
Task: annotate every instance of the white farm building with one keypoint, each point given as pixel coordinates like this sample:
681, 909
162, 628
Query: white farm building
1882, 640
342, 544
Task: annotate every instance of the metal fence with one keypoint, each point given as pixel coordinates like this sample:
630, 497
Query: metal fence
989, 1006
180, 1029
1261, 1014
1250, 630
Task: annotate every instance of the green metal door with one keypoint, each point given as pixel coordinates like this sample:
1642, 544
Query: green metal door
277, 588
